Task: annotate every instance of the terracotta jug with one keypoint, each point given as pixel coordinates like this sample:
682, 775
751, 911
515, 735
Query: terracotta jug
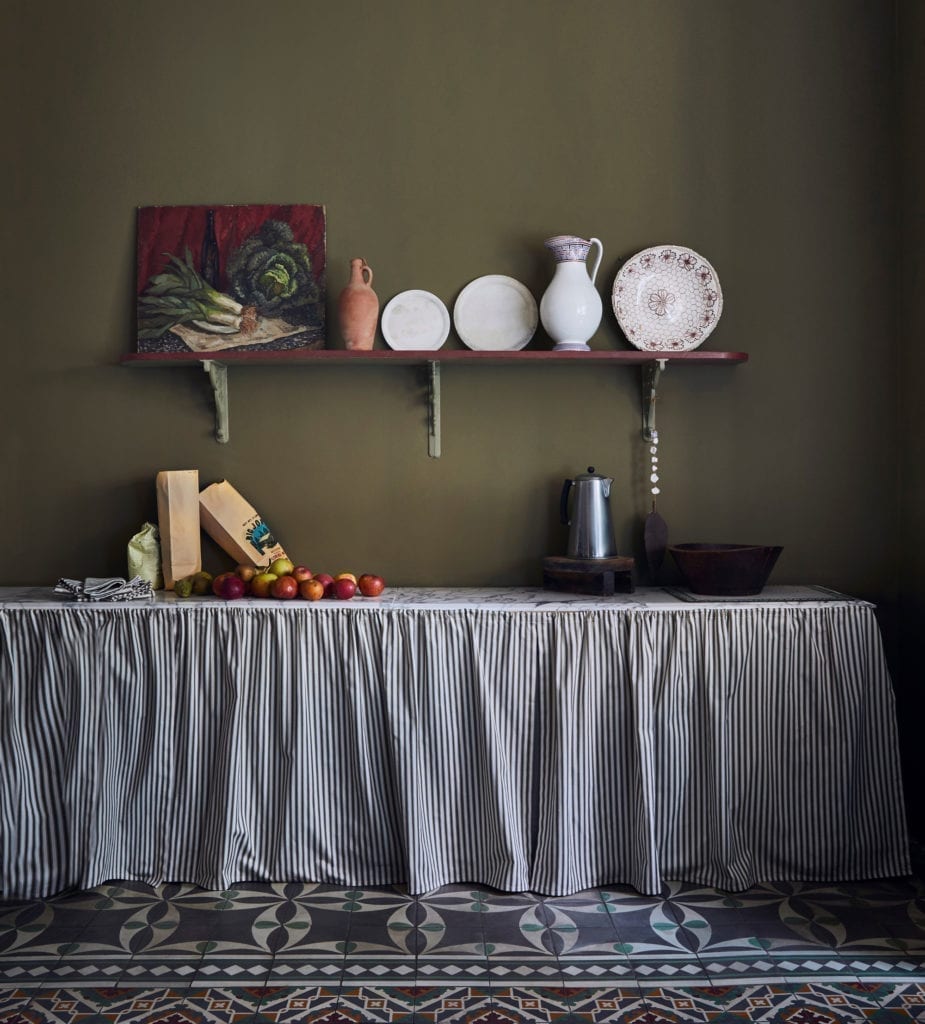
358, 307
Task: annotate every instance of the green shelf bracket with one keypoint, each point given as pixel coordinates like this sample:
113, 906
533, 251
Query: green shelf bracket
433, 409
218, 378
651, 372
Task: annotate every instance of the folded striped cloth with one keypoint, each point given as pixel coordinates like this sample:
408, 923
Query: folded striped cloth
110, 588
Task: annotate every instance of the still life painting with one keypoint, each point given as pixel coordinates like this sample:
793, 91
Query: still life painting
213, 278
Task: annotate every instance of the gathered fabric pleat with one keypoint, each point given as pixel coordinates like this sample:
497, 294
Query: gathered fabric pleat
541, 750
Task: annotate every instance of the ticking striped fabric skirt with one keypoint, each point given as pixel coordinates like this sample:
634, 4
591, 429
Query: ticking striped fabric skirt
540, 750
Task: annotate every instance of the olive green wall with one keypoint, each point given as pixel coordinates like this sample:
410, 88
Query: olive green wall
447, 141
907, 668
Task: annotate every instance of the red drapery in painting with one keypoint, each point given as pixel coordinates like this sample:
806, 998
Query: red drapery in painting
170, 230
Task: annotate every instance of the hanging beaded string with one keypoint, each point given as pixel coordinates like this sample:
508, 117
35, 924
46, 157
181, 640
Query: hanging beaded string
655, 490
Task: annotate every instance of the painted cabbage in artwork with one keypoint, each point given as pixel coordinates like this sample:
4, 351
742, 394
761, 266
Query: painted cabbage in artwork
273, 272
250, 278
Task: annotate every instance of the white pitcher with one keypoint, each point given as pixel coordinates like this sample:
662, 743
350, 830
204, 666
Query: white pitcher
571, 308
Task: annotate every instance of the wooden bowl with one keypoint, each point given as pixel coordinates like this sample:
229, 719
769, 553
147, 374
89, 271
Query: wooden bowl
727, 570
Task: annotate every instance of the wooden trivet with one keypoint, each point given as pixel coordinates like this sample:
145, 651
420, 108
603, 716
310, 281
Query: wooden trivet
602, 576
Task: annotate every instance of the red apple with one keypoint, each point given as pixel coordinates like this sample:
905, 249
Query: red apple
327, 581
311, 590
219, 582
284, 588
232, 587
301, 573
344, 588
371, 585
261, 583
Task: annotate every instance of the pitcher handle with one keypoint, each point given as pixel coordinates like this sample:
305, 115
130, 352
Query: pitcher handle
364, 270
600, 256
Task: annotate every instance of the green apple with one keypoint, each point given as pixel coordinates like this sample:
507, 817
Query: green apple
281, 567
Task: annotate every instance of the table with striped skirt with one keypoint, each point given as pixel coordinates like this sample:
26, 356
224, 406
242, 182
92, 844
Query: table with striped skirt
513, 738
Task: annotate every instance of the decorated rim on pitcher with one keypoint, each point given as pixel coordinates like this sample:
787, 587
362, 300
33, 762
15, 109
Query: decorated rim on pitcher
568, 248
667, 299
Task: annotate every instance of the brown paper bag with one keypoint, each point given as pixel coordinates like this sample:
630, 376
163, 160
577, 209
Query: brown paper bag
178, 523
236, 527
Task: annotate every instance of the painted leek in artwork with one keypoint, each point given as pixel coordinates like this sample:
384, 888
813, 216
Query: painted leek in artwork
178, 295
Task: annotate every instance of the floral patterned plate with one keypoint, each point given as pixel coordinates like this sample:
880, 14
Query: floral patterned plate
667, 299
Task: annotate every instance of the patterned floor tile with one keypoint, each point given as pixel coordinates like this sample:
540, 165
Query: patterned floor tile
785, 1003
376, 927
42, 929
764, 919
534, 1003
128, 921
456, 1006
214, 971
271, 919
395, 1004
677, 1004
632, 914
897, 969
449, 970
454, 922
669, 970
198, 917
525, 928
888, 913
360, 972
264, 953
12, 1000
592, 930
211, 1006
510, 924
513, 972
64, 1006
807, 1005
598, 1004
129, 1002
783, 969
260, 1002
27, 974
909, 997
597, 971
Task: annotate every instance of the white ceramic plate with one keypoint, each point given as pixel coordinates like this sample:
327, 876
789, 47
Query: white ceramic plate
415, 321
495, 314
667, 299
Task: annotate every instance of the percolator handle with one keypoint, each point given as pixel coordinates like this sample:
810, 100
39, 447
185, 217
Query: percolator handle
563, 503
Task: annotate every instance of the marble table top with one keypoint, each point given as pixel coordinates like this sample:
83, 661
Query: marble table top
501, 598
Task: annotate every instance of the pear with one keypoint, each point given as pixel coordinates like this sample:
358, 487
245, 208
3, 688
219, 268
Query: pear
202, 583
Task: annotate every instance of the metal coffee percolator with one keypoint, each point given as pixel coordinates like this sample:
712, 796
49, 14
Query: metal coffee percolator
591, 533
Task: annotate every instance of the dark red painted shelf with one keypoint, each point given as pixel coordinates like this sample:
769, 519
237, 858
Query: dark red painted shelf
450, 355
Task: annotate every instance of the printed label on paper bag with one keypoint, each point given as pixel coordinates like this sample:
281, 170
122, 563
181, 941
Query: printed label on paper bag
258, 534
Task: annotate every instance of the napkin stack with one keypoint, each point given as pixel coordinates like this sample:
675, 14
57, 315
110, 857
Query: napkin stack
111, 588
